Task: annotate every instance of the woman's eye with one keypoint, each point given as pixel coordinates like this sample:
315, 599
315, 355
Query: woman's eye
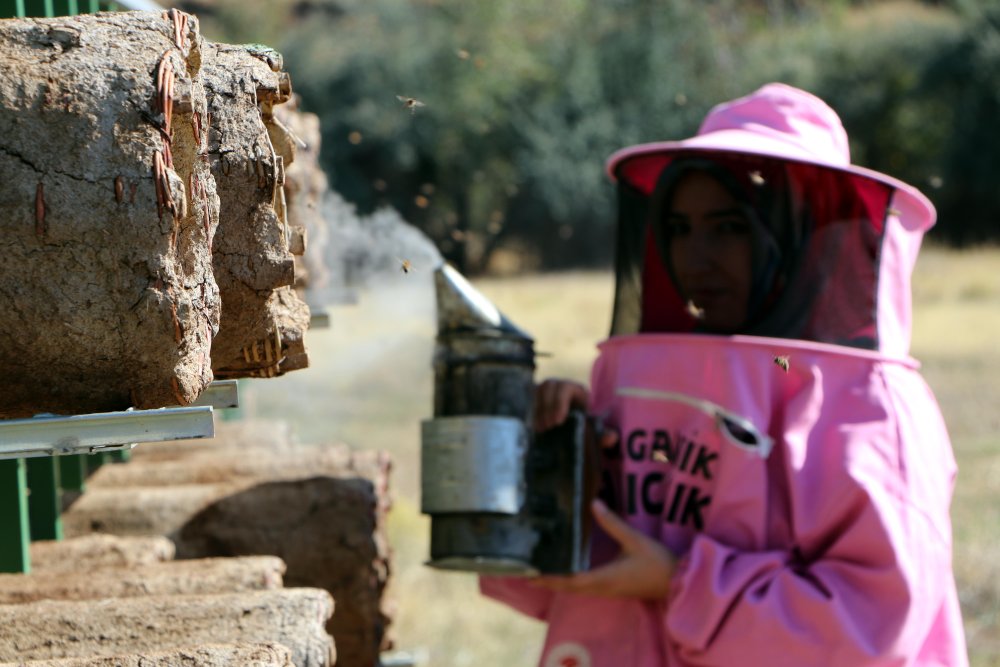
733, 226
675, 228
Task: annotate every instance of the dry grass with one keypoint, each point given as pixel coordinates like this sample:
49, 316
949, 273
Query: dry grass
371, 384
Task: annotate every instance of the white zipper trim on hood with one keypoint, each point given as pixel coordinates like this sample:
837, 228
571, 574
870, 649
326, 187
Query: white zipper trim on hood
724, 419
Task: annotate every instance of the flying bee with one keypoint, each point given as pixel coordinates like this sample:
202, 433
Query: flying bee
404, 265
462, 54
756, 178
694, 311
781, 361
660, 457
410, 103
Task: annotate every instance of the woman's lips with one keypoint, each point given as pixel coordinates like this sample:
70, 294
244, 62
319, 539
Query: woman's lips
704, 295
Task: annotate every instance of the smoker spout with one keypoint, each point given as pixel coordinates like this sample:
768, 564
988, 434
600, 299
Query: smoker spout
461, 307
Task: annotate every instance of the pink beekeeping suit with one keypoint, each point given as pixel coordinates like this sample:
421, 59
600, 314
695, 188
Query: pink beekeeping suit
808, 506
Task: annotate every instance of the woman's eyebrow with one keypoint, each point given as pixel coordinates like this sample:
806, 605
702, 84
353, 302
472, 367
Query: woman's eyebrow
726, 213
717, 213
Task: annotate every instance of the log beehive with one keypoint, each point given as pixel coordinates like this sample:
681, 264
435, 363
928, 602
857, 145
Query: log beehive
107, 212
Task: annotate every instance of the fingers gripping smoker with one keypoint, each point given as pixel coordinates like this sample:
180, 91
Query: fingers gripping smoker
502, 499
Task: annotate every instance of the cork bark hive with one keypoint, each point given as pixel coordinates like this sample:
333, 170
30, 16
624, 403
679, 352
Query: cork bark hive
90, 552
107, 214
185, 577
262, 320
263, 654
51, 629
143, 214
320, 508
306, 186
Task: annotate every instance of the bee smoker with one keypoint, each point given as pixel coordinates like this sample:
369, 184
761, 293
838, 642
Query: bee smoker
502, 500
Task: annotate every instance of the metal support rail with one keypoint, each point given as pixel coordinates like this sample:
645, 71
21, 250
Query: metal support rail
90, 434
220, 394
319, 319
68, 436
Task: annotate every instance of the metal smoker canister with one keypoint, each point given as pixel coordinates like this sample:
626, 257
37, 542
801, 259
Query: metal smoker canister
499, 502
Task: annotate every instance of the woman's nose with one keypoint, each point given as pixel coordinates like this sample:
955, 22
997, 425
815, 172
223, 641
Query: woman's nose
698, 253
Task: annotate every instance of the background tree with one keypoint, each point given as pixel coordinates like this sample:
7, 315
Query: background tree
523, 101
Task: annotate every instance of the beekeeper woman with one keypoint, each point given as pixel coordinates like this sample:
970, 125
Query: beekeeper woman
777, 483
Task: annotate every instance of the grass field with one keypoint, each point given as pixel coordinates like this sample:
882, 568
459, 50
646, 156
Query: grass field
370, 384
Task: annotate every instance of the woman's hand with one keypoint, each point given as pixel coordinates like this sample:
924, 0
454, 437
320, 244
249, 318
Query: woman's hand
642, 570
553, 401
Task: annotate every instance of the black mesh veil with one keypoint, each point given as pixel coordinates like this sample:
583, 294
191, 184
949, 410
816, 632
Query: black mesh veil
630, 252
818, 237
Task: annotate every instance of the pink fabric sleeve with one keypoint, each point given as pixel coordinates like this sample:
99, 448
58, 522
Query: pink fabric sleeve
518, 593
866, 582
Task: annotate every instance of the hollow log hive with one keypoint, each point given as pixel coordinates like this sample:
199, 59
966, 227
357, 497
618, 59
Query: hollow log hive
262, 318
263, 654
145, 215
320, 508
96, 551
50, 629
187, 577
306, 185
124, 283
249, 512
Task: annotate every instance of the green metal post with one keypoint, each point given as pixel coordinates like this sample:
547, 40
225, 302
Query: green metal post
39, 8
45, 508
93, 6
11, 9
120, 456
234, 414
73, 472
95, 461
14, 535
65, 7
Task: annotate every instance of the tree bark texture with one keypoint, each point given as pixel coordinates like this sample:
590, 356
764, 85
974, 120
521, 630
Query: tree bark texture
265, 654
108, 211
321, 514
248, 153
96, 551
52, 629
184, 577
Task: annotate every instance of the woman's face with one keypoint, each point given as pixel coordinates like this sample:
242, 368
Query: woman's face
710, 245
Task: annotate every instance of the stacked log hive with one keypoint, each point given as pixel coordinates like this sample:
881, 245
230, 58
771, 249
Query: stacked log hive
148, 252
51, 629
181, 624
189, 577
264, 654
109, 298
90, 552
262, 321
114, 160
306, 186
320, 508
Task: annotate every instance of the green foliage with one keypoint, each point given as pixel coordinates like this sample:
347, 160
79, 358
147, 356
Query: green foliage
965, 80
523, 101
870, 66
917, 89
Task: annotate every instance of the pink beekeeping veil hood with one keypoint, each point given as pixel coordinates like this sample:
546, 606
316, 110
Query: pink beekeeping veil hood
859, 273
